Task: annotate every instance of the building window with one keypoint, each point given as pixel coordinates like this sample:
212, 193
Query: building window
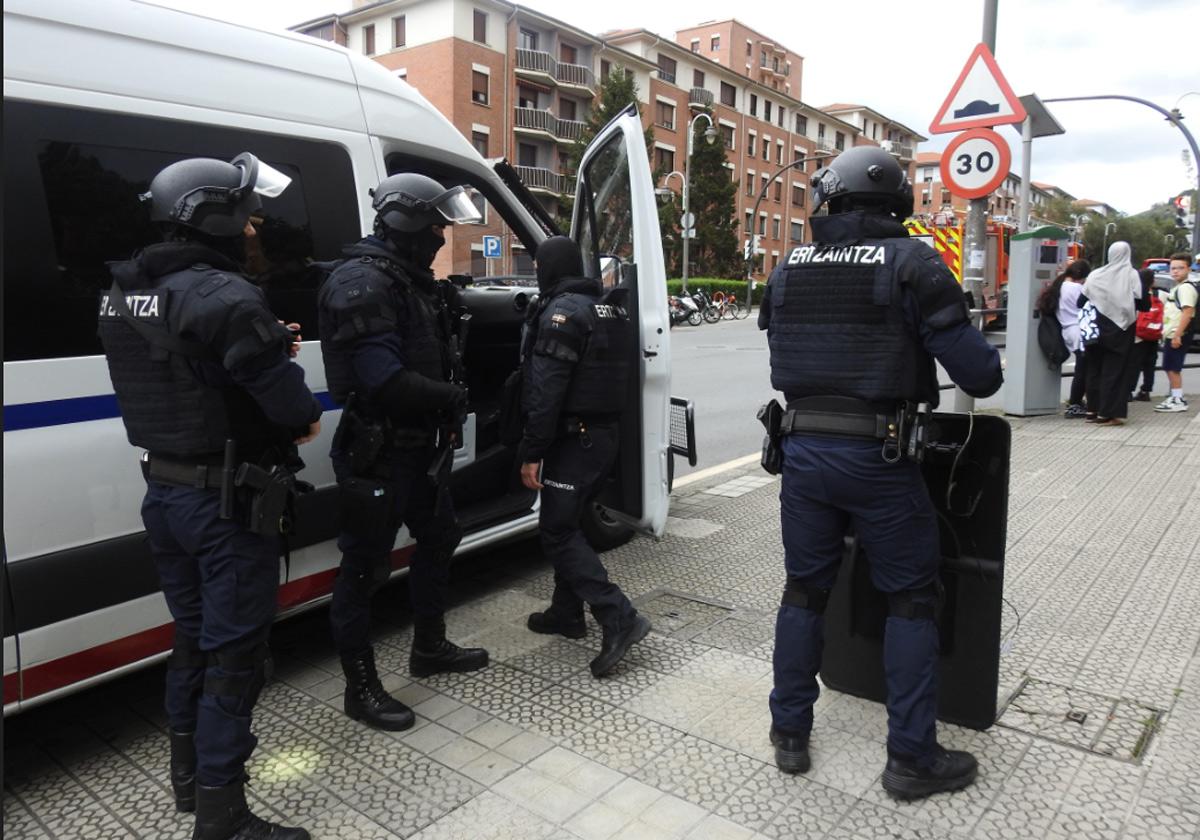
664, 159
527, 154
665, 115
479, 87
727, 136
780, 116
839, 141
925, 197
778, 197
762, 225
945, 197
527, 39
480, 141
568, 54
801, 124
666, 68
750, 138
749, 183
798, 155
820, 131
779, 153
695, 45
775, 226
481, 26
568, 109
797, 231
767, 110
749, 49
766, 148
797, 195
753, 105
605, 68
527, 97
714, 45
697, 78
399, 37
728, 95
369, 39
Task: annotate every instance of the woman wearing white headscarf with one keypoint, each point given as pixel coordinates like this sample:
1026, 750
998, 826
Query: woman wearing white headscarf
1116, 291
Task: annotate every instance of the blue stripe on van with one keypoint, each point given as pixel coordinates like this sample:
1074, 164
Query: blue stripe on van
82, 409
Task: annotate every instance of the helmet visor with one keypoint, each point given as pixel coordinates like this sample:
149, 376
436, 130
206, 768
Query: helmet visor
270, 181
456, 206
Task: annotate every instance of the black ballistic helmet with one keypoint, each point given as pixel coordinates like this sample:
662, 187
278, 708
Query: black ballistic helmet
408, 202
860, 177
212, 196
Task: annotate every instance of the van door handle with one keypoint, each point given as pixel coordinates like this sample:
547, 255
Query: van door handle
649, 354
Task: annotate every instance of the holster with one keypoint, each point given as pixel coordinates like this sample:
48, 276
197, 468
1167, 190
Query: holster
771, 416
272, 498
367, 508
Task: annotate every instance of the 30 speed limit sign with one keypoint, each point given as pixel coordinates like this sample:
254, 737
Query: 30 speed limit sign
975, 163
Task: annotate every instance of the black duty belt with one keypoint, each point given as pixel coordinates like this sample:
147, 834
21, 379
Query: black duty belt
576, 424
203, 474
839, 424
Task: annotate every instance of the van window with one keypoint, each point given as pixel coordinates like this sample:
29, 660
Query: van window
606, 220
72, 206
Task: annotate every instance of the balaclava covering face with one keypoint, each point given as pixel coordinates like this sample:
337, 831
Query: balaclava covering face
557, 258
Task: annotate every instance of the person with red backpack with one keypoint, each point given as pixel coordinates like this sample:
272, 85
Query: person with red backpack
1148, 331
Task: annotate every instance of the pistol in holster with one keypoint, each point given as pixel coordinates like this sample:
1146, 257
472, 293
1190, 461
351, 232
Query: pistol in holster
272, 494
771, 416
364, 439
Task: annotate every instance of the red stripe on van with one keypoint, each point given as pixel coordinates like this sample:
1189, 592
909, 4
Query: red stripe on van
76, 667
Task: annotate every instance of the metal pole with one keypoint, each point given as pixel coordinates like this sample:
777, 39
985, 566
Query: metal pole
975, 244
687, 179
1175, 118
1026, 170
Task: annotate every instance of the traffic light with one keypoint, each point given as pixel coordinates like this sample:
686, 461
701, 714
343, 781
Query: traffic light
1182, 205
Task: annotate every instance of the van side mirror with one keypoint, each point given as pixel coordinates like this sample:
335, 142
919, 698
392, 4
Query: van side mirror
610, 271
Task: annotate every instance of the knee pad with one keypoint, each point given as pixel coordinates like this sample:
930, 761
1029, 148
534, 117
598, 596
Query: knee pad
923, 602
186, 654
247, 674
797, 593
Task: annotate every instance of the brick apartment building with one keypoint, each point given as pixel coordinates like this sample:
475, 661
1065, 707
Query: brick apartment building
521, 84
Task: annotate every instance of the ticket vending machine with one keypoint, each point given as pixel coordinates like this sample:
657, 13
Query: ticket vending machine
1031, 384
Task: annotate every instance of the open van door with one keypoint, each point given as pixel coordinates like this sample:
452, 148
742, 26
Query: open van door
615, 222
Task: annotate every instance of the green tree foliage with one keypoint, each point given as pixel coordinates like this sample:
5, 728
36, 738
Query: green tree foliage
1150, 234
714, 250
617, 92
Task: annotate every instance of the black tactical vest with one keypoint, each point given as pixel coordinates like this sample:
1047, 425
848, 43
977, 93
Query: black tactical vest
368, 295
837, 326
167, 408
599, 384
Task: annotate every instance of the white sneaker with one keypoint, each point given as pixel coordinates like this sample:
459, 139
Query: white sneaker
1172, 404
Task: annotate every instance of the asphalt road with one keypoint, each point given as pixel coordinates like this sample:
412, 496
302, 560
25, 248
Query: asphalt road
724, 368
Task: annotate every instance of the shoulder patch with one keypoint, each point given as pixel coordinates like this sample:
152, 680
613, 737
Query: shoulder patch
213, 283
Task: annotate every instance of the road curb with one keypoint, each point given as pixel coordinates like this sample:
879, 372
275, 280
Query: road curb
709, 472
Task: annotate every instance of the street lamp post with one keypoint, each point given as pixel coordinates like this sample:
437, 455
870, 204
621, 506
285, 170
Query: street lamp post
751, 236
689, 228
1104, 245
664, 192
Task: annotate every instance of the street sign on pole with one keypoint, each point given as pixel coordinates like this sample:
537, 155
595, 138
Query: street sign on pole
981, 97
687, 220
975, 163
491, 247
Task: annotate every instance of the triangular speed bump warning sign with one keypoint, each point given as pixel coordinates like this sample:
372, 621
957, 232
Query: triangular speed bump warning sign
981, 97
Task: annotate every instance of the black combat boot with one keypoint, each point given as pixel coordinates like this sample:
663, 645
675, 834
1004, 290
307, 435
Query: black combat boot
433, 653
183, 769
791, 752
222, 814
949, 770
551, 623
365, 698
617, 643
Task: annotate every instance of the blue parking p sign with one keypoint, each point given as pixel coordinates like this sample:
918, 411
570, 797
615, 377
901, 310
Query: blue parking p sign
491, 247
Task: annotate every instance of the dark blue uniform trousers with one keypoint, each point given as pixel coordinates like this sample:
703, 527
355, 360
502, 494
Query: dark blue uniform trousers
221, 583
829, 486
571, 473
366, 547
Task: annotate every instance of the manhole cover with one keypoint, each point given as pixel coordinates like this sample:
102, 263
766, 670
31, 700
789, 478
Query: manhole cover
677, 614
1103, 725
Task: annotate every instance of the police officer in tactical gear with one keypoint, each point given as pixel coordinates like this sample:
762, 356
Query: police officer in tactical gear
203, 378
390, 348
854, 322
577, 366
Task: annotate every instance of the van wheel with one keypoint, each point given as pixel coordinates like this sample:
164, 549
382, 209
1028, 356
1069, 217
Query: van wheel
601, 530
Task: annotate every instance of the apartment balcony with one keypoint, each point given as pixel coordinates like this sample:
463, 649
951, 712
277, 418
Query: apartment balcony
700, 98
539, 121
544, 181
903, 151
549, 69
824, 145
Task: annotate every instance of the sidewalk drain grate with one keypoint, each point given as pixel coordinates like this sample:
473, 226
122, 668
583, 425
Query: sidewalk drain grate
679, 614
1120, 729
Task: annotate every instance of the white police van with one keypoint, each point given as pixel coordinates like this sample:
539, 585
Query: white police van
98, 97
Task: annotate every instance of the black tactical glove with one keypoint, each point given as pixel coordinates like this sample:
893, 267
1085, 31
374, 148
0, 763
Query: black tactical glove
408, 393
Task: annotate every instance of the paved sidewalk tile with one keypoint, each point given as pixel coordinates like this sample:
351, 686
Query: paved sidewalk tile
1099, 691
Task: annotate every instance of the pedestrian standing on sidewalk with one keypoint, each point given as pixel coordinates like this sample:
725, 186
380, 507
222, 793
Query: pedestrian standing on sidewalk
1147, 332
1115, 290
577, 365
1065, 290
855, 322
1178, 327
